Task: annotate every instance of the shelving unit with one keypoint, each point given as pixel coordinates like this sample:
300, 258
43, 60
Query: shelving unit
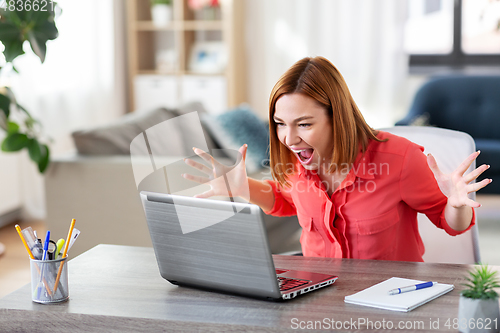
161, 67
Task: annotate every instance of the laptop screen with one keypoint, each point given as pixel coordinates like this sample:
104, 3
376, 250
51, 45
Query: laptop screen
211, 244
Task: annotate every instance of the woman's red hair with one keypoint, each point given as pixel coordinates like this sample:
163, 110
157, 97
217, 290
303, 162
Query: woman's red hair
319, 79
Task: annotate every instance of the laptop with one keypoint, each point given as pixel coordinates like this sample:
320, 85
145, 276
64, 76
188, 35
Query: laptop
220, 246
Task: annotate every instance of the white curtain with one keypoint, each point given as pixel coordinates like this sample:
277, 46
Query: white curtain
362, 38
81, 83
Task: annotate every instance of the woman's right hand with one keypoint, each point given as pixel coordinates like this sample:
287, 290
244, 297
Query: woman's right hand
227, 181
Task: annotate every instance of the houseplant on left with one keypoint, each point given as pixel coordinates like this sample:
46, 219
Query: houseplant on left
20, 22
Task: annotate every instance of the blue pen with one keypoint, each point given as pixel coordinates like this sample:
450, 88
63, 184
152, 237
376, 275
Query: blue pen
46, 245
45, 249
411, 288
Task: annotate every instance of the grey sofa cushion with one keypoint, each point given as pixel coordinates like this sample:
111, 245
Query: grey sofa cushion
115, 138
236, 127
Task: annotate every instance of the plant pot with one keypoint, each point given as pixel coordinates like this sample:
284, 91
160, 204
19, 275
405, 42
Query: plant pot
478, 315
161, 14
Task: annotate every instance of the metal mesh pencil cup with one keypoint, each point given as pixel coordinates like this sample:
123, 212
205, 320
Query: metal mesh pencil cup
44, 276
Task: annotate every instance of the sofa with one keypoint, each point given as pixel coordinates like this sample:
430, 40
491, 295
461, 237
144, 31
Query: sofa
470, 104
99, 184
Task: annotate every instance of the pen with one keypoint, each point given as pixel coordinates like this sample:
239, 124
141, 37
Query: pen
45, 249
59, 244
65, 252
18, 228
46, 245
411, 288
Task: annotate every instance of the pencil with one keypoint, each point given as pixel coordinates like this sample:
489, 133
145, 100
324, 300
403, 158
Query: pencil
18, 228
65, 252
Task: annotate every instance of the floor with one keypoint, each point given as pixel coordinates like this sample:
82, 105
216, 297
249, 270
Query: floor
15, 269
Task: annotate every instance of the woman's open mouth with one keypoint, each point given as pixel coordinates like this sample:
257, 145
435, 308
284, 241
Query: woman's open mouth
304, 155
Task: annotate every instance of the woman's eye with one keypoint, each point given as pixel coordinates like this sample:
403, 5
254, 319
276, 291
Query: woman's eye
280, 124
304, 125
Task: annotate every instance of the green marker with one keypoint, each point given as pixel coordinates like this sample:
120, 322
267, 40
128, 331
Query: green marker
60, 244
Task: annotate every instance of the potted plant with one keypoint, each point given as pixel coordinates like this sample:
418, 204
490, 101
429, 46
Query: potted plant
205, 9
22, 22
161, 12
478, 309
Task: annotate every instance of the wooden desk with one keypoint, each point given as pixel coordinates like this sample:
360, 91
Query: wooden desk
118, 288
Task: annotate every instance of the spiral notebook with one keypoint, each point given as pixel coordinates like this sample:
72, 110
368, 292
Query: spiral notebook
377, 296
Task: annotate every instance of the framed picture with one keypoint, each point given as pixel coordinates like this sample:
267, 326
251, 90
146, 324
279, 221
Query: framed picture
208, 57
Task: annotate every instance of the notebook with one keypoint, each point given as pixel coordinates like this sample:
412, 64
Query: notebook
220, 246
377, 296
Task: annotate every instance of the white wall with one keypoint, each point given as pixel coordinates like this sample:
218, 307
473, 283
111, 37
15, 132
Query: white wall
362, 38
10, 182
81, 84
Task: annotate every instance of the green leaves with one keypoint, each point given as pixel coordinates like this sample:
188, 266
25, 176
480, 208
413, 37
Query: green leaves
12, 127
22, 21
34, 150
5, 105
44, 161
15, 141
39, 154
481, 283
20, 25
11, 38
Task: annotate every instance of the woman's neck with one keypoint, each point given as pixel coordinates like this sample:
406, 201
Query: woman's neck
332, 180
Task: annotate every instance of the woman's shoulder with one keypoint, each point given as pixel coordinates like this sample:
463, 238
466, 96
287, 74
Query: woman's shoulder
392, 144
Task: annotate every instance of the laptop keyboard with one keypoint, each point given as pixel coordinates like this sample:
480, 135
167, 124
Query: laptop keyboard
288, 283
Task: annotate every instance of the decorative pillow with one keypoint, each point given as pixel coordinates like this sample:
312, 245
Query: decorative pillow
421, 120
115, 138
236, 127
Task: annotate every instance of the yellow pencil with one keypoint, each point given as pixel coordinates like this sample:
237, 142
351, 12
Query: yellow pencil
18, 228
65, 252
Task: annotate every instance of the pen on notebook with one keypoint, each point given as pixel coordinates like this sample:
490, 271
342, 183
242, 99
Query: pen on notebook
411, 288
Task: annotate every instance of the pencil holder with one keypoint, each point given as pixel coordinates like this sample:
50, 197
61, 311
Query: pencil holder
49, 280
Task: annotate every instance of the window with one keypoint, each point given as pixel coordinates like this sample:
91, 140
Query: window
453, 33
481, 27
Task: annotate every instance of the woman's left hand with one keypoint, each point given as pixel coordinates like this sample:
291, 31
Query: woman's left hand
455, 186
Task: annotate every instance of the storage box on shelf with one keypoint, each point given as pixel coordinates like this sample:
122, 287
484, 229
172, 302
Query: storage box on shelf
196, 56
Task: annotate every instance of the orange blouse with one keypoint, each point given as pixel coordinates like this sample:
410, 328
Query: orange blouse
373, 213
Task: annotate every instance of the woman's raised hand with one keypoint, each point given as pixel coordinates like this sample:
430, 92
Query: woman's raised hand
455, 186
227, 181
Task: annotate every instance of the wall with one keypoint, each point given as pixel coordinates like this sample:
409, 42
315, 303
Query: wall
10, 189
362, 38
